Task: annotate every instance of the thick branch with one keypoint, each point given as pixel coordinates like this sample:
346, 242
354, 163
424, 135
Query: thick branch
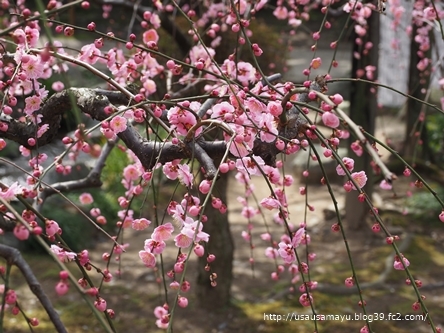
93, 102
91, 180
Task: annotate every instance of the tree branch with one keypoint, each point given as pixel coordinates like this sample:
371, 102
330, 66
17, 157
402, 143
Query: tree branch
93, 102
14, 257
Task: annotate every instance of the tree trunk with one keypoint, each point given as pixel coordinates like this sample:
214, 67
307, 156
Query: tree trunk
363, 108
417, 87
222, 246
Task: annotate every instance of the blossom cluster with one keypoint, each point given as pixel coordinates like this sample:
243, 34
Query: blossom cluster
253, 115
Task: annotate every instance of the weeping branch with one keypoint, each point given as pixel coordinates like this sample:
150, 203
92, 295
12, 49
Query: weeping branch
13, 257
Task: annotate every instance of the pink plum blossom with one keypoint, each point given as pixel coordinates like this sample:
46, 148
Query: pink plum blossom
118, 124
330, 119
398, 264
155, 247
246, 73
286, 251
268, 128
270, 203
170, 169
281, 12
385, 185
131, 172
274, 108
52, 227
86, 199
250, 164
32, 104
185, 176
148, 259
140, 224
298, 237
360, 178
162, 232
271, 253
64, 256
183, 241
90, 54
223, 110
42, 130
10, 192
150, 36
349, 164
33, 68
194, 231
21, 232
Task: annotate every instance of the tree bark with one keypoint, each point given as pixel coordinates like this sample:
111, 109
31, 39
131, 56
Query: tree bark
363, 107
417, 87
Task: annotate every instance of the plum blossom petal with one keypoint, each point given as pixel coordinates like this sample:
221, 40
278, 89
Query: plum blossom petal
163, 232
385, 185
183, 241
270, 203
298, 237
286, 251
185, 176
153, 246
349, 164
360, 178
9, 193
86, 199
398, 264
140, 224
148, 259
118, 124
64, 256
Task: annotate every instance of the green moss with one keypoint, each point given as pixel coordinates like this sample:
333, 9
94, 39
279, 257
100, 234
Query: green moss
422, 253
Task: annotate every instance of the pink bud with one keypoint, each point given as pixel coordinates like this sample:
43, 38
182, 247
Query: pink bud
330, 119
199, 250
182, 302
224, 167
62, 288
349, 282
21, 232
11, 297
205, 186
100, 304
52, 227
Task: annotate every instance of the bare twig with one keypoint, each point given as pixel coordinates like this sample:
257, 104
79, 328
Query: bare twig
388, 175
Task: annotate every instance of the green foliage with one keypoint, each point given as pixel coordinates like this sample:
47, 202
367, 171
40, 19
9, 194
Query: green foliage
435, 124
112, 173
424, 207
